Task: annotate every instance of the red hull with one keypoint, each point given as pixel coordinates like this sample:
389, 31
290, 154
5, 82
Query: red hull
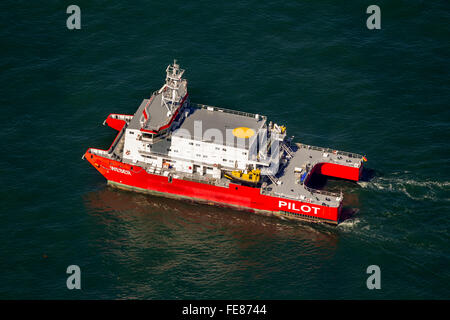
114, 123
338, 171
243, 197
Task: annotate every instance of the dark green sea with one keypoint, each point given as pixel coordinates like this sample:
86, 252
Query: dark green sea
313, 66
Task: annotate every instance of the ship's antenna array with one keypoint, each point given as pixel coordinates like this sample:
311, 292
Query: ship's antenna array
171, 96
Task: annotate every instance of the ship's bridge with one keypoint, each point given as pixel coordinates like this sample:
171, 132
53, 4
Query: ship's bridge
157, 113
152, 116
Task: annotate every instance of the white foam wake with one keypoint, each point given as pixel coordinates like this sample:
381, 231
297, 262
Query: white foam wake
412, 188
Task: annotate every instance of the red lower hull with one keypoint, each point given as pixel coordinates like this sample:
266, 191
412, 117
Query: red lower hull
338, 171
243, 197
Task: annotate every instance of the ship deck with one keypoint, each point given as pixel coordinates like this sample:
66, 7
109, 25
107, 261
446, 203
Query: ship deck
135, 121
288, 182
217, 124
307, 157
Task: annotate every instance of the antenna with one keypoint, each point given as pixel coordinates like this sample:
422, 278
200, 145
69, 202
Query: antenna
171, 96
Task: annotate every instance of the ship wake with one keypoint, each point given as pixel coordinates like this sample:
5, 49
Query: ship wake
414, 189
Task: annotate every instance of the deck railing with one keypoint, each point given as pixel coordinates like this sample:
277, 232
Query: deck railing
121, 117
99, 152
323, 192
328, 150
118, 138
241, 113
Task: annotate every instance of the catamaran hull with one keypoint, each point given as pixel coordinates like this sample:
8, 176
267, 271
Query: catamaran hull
135, 178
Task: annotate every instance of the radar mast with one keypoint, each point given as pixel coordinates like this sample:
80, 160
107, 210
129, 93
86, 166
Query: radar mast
171, 95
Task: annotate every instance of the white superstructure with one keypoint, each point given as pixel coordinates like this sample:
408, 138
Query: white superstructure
168, 131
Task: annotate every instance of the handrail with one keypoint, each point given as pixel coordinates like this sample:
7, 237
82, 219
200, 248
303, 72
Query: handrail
116, 141
98, 152
241, 113
121, 116
110, 151
184, 175
344, 153
326, 193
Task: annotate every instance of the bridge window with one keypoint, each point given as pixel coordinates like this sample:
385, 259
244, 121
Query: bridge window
147, 135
